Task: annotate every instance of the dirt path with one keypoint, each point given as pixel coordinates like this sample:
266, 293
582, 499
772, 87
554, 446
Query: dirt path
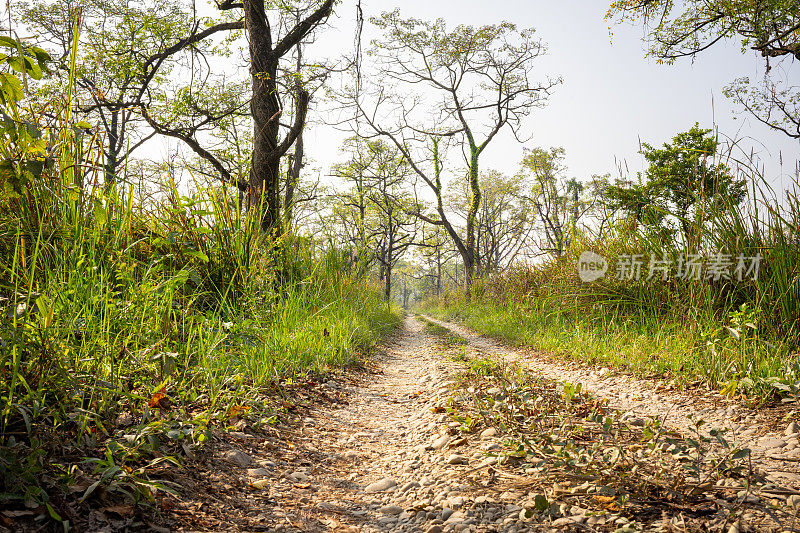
395, 457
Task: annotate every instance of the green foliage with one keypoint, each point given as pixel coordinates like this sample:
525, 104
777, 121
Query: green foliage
682, 180
23, 149
432, 328
679, 30
736, 334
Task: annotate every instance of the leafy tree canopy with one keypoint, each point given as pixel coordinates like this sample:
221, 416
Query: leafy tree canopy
682, 176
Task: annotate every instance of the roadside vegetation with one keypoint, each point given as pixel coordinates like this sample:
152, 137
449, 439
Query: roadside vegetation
576, 460
732, 322
131, 331
432, 328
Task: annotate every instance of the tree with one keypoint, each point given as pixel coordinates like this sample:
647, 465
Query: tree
771, 28
482, 77
558, 202
502, 223
116, 38
378, 204
435, 254
356, 172
682, 180
190, 112
266, 103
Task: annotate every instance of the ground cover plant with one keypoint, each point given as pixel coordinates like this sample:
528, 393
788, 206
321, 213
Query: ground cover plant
572, 457
736, 330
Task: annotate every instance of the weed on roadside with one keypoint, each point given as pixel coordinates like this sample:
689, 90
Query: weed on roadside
569, 454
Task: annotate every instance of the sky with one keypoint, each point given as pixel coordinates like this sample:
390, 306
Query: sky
612, 96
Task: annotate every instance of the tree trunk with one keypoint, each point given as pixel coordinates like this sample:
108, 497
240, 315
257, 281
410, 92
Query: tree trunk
294, 179
438, 271
475, 202
265, 108
387, 292
112, 152
297, 161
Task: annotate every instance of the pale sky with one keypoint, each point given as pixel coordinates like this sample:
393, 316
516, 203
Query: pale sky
612, 96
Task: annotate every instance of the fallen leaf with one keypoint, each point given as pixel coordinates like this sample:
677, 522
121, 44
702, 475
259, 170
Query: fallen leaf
608, 502
237, 410
160, 400
438, 409
260, 484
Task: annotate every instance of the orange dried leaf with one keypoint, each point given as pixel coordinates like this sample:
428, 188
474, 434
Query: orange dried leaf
160, 400
237, 410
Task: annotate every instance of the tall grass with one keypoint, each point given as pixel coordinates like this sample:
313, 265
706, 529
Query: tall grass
740, 336
125, 331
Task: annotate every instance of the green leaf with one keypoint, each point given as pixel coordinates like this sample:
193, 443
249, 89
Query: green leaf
199, 255
8, 172
33, 130
11, 86
741, 454
8, 42
41, 56
53, 514
100, 214
541, 502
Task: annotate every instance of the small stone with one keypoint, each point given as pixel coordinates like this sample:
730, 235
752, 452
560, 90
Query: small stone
488, 433
456, 459
125, 420
260, 484
441, 442
793, 501
382, 485
258, 472
237, 457
391, 509
457, 516
456, 502
408, 486
435, 528
446, 512
747, 498
770, 443
570, 520
298, 477
791, 429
